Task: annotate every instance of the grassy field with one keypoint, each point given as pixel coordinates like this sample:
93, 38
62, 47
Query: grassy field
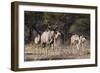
36, 52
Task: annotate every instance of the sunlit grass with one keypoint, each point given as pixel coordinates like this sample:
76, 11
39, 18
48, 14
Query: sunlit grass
36, 52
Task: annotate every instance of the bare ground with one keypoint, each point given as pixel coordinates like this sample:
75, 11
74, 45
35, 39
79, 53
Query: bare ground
36, 52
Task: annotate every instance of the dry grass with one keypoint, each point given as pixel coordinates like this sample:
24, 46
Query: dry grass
35, 52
